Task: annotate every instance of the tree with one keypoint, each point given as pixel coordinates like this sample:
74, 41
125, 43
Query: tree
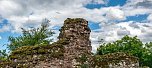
147, 55
130, 45
3, 55
34, 36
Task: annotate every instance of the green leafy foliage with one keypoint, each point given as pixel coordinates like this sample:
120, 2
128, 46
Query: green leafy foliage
83, 58
34, 36
147, 55
84, 66
29, 56
3, 55
130, 45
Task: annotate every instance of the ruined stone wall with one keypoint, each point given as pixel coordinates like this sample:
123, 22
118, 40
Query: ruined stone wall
77, 32
33, 56
115, 60
72, 50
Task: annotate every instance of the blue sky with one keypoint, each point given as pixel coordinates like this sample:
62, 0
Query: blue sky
108, 19
109, 3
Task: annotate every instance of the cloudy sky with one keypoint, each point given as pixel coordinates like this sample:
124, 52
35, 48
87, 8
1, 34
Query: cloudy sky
108, 19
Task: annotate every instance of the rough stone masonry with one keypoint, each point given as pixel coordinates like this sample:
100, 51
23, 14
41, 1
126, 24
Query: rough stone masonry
77, 32
72, 50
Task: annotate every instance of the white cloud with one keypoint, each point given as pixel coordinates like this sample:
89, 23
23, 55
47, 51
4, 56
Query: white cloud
150, 17
9, 7
26, 13
19, 12
112, 32
131, 11
96, 1
1, 19
133, 2
94, 40
136, 7
0, 37
140, 3
5, 28
123, 32
115, 14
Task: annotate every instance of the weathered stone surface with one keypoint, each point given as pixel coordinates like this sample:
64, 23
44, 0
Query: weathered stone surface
72, 50
31, 56
115, 60
77, 32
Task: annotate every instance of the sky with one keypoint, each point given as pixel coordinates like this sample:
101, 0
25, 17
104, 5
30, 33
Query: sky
109, 20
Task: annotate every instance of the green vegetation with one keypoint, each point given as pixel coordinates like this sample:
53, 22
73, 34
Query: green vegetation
112, 58
83, 59
76, 20
147, 55
84, 66
32, 37
29, 56
3, 55
33, 46
132, 46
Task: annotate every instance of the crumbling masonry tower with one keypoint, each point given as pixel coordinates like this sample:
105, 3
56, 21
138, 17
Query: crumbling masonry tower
77, 32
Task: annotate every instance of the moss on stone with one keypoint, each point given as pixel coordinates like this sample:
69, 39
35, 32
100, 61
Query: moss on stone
73, 20
77, 55
113, 58
26, 55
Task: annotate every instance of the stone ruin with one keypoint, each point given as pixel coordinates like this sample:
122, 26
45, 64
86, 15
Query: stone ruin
77, 32
72, 50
